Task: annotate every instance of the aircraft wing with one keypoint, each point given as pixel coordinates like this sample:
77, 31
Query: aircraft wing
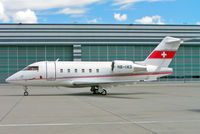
97, 83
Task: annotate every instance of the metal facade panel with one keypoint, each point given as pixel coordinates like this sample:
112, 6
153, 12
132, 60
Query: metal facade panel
16, 58
22, 44
95, 26
70, 34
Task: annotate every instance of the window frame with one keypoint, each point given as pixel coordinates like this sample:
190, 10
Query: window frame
68, 70
83, 70
61, 70
90, 70
75, 70
31, 68
97, 70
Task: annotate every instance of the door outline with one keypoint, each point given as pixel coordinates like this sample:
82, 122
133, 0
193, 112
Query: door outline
51, 75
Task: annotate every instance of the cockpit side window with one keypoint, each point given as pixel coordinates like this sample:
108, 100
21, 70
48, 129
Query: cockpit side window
32, 68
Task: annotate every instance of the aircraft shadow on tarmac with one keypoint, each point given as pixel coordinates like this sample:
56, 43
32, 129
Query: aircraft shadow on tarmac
194, 110
109, 95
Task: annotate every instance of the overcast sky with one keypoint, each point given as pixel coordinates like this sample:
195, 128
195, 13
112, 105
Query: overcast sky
101, 11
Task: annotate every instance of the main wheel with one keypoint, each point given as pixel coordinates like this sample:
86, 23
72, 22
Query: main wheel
26, 93
104, 92
92, 89
95, 91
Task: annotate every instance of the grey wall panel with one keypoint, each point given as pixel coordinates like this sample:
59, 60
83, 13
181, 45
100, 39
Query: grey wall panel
15, 58
22, 44
94, 26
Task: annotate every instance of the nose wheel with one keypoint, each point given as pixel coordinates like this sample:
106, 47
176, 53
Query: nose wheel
25, 91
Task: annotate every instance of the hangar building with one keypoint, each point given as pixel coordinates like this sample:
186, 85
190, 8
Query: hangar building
22, 44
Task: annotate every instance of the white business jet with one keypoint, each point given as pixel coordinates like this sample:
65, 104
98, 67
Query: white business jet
98, 75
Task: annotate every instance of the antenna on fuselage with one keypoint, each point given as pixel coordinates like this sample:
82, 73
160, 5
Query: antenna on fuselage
57, 59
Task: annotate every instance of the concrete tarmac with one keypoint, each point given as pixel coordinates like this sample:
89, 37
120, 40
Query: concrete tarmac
156, 108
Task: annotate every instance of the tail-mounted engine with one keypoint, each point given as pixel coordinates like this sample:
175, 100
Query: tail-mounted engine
119, 66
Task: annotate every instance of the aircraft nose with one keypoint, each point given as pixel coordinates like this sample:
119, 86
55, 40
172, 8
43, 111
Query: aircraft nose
9, 79
14, 78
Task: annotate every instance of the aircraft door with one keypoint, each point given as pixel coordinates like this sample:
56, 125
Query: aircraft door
51, 70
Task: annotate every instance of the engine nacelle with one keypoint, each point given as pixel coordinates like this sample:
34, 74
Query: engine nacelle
120, 66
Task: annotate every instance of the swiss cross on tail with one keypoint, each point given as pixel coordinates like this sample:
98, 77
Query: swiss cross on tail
162, 55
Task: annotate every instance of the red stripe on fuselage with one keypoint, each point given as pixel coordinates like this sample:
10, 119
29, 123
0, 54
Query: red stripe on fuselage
101, 76
162, 55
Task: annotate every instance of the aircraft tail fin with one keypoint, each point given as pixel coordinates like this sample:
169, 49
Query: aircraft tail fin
163, 54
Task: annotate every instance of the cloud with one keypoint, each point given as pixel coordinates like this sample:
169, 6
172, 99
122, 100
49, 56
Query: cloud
127, 3
119, 17
92, 21
150, 20
3, 16
16, 7
198, 23
73, 12
27, 16
45, 4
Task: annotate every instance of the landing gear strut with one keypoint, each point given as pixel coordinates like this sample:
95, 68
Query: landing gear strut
25, 91
98, 90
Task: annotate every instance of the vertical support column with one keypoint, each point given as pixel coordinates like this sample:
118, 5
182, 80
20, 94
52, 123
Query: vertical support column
77, 52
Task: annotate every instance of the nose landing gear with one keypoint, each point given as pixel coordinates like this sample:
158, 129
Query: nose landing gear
98, 90
25, 91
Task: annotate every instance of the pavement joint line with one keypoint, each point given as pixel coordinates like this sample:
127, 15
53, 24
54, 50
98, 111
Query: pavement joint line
118, 116
122, 118
11, 109
98, 123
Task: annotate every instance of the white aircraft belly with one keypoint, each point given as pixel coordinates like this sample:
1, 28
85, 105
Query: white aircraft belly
95, 80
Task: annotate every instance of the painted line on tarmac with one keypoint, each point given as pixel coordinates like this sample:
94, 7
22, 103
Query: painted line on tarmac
101, 123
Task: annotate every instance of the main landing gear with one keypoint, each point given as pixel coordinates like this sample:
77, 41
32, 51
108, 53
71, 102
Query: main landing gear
98, 90
25, 91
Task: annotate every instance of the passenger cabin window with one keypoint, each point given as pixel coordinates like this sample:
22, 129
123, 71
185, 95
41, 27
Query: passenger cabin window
32, 68
90, 70
61, 70
83, 70
97, 70
68, 70
75, 70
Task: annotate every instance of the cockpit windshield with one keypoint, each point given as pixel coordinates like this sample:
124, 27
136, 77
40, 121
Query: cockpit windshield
31, 68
